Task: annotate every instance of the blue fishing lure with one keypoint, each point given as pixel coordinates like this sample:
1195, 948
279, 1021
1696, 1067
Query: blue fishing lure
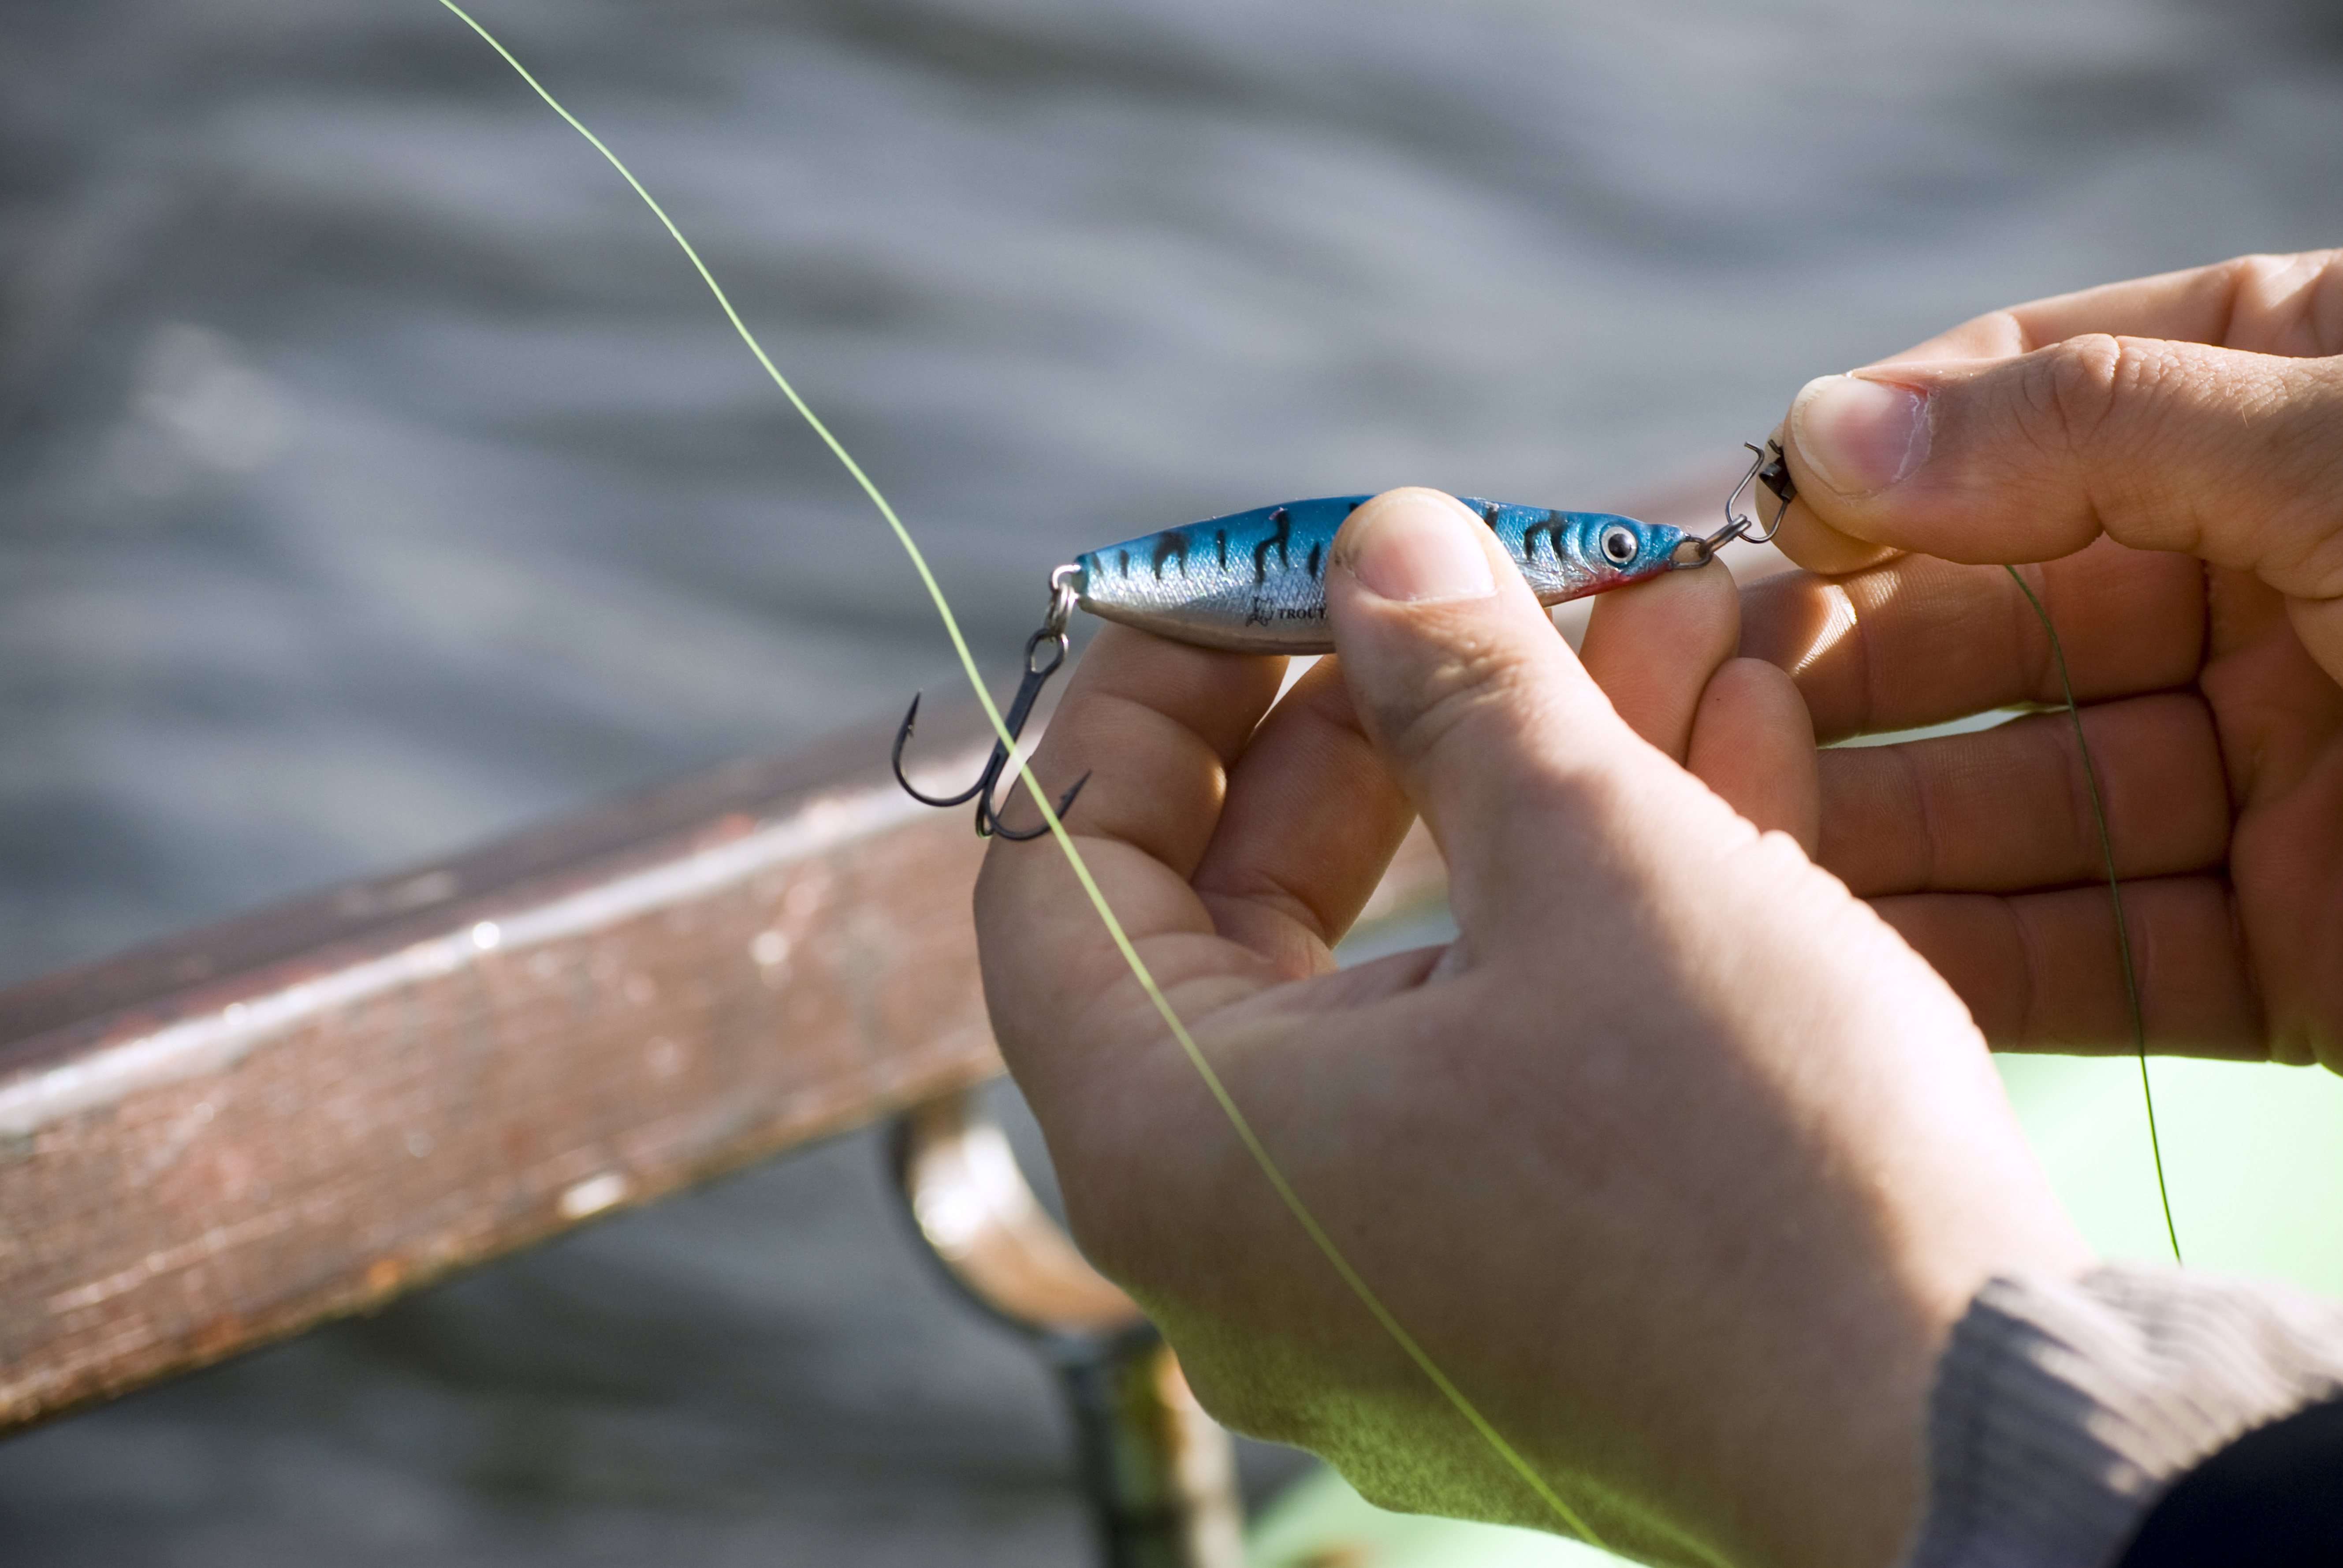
1255, 582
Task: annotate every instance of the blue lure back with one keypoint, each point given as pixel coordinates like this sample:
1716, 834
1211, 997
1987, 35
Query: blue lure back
1255, 582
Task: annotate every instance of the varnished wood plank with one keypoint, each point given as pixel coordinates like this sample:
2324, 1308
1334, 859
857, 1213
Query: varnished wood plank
232, 1134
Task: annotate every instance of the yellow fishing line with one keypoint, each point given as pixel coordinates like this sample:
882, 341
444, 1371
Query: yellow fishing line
1245, 1134
2115, 892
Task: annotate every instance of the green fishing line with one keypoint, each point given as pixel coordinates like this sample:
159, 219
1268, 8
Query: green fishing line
1245, 1134
2115, 892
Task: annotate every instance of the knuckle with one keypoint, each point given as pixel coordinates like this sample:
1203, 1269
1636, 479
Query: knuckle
2261, 274
2322, 306
2077, 391
2287, 305
2101, 397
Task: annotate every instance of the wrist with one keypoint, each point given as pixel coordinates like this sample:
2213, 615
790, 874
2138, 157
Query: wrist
1851, 1483
1918, 1225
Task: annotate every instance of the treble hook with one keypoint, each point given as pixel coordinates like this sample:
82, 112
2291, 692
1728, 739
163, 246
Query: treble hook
1772, 470
1045, 650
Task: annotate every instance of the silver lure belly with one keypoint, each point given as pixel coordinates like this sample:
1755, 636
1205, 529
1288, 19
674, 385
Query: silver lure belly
1255, 582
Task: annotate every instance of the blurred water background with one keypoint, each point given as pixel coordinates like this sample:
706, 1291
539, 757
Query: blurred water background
374, 476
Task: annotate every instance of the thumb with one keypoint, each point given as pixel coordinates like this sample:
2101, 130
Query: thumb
1506, 746
2228, 455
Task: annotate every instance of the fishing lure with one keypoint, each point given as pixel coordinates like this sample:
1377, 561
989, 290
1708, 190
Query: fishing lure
1255, 582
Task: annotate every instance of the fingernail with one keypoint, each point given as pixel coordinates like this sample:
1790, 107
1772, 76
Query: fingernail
1417, 547
1858, 435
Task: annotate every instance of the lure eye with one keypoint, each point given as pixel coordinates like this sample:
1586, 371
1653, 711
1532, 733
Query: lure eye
1620, 545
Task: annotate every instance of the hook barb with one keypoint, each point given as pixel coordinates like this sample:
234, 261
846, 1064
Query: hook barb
902, 738
988, 821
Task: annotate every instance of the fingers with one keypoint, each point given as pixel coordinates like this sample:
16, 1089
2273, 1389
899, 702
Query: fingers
1158, 726
2136, 393
1233, 849
1661, 651
1652, 649
2281, 715
2284, 305
1310, 820
2011, 808
1499, 737
2043, 972
1753, 743
2318, 623
2167, 445
2212, 452
2290, 304
2286, 862
1919, 641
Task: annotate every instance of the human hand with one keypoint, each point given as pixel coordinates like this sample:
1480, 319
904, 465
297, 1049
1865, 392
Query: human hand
1677, 1161
2172, 448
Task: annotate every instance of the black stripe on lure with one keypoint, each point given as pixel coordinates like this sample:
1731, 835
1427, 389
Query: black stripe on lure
1255, 582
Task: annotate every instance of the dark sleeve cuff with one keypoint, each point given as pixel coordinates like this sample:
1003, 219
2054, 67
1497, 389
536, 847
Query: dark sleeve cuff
2065, 1408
